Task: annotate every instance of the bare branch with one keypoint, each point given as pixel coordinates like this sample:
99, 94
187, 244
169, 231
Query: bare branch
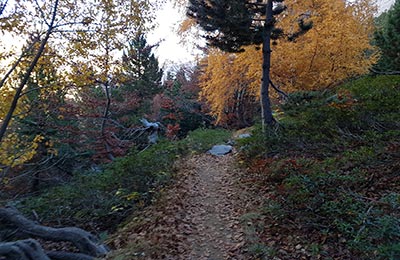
3, 7
4, 79
278, 90
42, 13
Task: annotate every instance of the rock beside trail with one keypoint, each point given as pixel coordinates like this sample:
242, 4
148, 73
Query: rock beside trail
220, 150
245, 135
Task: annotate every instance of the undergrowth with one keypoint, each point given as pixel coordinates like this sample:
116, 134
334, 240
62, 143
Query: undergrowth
328, 178
100, 200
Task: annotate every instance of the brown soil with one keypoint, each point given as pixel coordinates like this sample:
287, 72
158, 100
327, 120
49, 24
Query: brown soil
197, 218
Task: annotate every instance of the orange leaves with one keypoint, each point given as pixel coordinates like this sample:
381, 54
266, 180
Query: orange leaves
172, 131
14, 152
226, 84
186, 25
335, 49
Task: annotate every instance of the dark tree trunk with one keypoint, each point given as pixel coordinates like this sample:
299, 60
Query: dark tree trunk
266, 111
106, 113
17, 95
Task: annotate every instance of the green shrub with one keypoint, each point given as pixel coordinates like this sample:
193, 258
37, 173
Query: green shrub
202, 140
331, 167
104, 198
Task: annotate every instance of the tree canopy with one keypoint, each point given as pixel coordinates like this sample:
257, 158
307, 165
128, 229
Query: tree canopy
387, 38
326, 55
230, 25
83, 38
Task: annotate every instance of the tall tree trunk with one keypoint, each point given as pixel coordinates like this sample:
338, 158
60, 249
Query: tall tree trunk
106, 116
266, 111
106, 113
27, 75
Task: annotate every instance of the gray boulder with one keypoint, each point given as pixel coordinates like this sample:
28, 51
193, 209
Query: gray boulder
219, 150
241, 136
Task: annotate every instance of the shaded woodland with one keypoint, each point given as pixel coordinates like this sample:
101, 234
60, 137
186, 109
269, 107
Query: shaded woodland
93, 130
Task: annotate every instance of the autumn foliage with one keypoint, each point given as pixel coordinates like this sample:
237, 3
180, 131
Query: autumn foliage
335, 49
178, 107
226, 85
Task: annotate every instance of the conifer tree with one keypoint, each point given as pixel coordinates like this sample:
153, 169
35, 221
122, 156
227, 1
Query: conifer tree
141, 69
388, 40
232, 24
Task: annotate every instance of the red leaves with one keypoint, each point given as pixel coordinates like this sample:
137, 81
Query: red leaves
172, 130
167, 103
345, 100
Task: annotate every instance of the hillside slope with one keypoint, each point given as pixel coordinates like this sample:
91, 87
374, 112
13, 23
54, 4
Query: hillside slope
324, 185
327, 182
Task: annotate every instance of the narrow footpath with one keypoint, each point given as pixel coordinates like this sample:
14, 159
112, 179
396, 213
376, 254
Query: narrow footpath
214, 209
198, 218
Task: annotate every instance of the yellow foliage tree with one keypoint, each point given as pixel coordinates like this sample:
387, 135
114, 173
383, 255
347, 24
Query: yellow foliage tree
335, 49
228, 89
83, 31
14, 151
17, 148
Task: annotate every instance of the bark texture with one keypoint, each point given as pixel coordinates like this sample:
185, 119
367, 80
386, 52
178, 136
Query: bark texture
23, 250
87, 244
266, 111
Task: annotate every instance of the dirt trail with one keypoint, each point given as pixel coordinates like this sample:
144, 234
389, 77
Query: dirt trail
214, 201
198, 218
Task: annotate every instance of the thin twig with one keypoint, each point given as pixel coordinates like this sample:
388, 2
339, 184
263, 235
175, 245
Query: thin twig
278, 90
385, 72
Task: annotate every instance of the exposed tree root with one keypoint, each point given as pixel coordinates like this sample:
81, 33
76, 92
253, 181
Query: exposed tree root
87, 244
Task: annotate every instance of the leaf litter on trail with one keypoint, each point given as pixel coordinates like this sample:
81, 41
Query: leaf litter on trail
197, 217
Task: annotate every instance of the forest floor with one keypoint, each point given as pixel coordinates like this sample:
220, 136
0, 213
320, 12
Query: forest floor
198, 217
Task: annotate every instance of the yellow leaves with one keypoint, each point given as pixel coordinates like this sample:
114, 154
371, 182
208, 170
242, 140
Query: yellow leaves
37, 139
6, 97
5, 180
225, 80
336, 48
13, 151
132, 196
186, 25
50, 148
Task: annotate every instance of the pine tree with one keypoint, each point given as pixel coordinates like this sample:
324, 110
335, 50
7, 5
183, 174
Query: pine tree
141, 70
231, 24
388, 40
